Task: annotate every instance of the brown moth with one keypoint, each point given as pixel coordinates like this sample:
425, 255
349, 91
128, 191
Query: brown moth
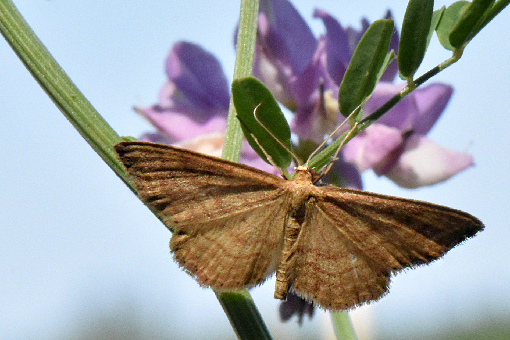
235, 225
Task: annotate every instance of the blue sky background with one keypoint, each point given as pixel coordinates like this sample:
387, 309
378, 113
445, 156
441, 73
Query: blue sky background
78, 248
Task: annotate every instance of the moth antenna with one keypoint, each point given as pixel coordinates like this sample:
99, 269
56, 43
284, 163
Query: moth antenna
296, 159
269, 158
334, 158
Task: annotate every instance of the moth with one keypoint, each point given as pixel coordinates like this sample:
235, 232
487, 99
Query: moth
234, 226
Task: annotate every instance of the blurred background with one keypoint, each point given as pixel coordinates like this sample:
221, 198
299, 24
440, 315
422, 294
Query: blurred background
82, 258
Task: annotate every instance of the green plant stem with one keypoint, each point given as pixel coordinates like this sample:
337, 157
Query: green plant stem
245, 49
243, 315
239, 306
366, 122
342, 326
59, 87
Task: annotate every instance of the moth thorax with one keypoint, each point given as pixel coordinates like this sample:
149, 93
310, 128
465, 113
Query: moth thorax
303, 174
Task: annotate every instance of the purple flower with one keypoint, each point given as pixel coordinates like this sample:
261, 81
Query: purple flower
396, 146
193, 105
304, 74
194, 101
294, 305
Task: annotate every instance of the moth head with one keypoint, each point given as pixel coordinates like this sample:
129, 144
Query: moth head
303, 172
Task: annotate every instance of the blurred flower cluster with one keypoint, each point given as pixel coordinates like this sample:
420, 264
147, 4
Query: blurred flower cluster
304, 72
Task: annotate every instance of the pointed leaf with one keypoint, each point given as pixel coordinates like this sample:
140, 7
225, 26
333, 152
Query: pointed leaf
451, 16
468, 25
252, 97
361, 76
387, 60
413, 40
436, 18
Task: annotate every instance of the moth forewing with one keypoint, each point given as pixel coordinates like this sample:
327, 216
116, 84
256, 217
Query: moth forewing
396, 232
227, 218
235, 225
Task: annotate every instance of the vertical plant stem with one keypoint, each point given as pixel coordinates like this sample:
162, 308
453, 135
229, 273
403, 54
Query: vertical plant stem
239, 306
243, 68
343, 327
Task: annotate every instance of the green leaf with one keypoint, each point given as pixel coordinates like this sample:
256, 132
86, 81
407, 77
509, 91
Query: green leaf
413, 40
468, 25
449, 19
491, 14
387, 60
361, 76
255, 105
436, 18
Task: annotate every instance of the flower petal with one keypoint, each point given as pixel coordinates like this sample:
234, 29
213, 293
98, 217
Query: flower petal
209, 144
285, 48
195, 98
337, 42
177, 126
425, 163
345, 175
212, 144
415, 113
430, 101
286, 35
198, 75
372, 147
295, 305
316, 96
